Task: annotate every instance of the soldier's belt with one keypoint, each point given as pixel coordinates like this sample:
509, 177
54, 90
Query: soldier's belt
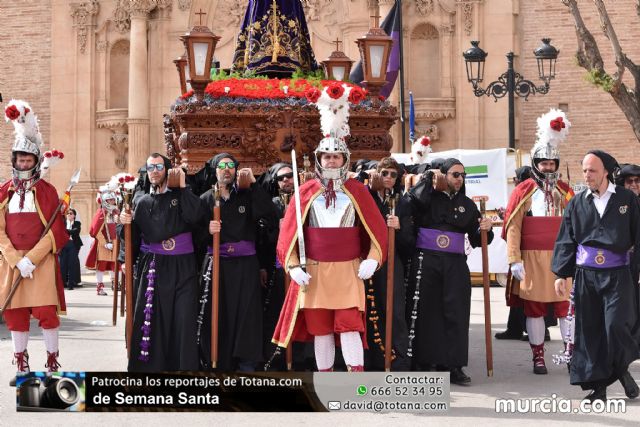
539, 232
442, 241
590, 257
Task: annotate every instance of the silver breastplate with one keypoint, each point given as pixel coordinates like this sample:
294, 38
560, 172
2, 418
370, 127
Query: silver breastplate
343, 214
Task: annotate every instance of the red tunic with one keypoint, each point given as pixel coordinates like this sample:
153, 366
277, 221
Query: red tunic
373, 233
47, 201
100, 258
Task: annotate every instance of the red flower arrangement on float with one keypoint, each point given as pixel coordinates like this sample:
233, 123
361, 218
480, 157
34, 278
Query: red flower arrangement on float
274, 89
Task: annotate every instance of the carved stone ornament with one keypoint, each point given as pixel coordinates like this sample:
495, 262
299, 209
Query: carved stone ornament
184, 5
121, 17
83, 16
425, 7
119, 143
425, 32
141, 8
467, 16
230, 13
102, 45
313, 9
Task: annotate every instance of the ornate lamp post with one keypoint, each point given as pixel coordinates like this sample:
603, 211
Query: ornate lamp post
511, 83
338, 65
374, 50
200, 44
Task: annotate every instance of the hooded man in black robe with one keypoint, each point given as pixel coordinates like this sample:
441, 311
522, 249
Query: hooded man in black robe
599, 227
439, 297
243, 203
166, 282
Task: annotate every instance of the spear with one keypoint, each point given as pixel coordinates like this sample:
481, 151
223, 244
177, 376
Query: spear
74, 180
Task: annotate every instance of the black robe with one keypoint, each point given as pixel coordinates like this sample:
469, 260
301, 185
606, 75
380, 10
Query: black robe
175, 300
240, 304
604, 298
374, 356
442, 324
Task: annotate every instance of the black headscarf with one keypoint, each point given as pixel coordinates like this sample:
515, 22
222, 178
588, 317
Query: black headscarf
436, 163
609, 162
212, 165
448, 164
627, 171
269, 181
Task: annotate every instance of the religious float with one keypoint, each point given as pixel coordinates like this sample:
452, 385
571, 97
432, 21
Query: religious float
261, 109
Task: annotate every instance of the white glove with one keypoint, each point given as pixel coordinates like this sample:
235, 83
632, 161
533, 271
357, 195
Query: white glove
517, 270
26, 267
367, 268
109, 246
299, 276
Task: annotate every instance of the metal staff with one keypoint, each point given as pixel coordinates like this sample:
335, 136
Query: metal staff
287, 283
485, 286
14, 287
128, 275
215, 265
391, 202
300, 234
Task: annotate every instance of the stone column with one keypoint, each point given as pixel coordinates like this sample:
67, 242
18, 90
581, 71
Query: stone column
138, 120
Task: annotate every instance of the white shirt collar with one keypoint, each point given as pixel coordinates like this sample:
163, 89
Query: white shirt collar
610, 189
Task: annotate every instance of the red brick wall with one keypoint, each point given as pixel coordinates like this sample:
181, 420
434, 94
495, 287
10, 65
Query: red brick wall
25, 66
596, 119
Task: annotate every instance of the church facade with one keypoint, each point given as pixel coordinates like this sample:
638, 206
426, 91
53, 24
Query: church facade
100, 73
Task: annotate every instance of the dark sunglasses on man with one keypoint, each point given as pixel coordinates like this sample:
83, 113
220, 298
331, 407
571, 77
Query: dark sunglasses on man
458, 174
392, 174
284, 175
226, 165
157, 166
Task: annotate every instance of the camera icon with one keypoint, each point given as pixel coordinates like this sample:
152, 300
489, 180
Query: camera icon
52, 392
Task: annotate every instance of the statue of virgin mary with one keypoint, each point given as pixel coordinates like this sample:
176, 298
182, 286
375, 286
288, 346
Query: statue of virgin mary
274, 39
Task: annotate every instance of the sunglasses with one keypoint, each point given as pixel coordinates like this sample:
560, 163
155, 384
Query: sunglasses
226, 165
458, 174
284, 175
632, 181
392, 174
157, 166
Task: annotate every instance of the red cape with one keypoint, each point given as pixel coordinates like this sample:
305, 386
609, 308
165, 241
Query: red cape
375, 232
97, 226
47, 202
522, 193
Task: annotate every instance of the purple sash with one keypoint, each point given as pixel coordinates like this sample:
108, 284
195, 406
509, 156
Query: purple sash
180, 244
588, 256
442, 241
235, 249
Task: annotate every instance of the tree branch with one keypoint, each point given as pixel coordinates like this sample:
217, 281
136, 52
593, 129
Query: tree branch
610, 33
588, 54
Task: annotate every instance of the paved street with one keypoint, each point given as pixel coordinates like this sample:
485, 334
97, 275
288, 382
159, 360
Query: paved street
89, 343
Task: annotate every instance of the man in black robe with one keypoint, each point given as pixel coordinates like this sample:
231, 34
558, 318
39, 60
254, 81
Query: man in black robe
440, 295
166, 282
385, 184
243, 203
598, 228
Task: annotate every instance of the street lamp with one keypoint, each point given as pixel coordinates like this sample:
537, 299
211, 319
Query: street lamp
338, 65
200, 44
511, 83
374, 50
